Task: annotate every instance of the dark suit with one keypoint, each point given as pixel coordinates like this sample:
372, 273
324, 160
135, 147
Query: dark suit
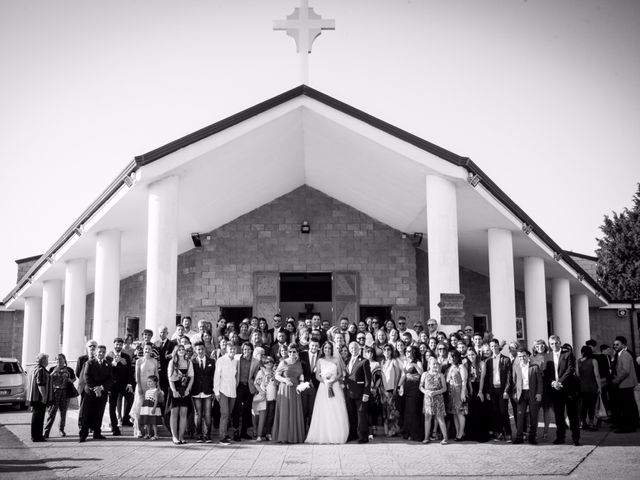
358, 383
96, 373
165, 350
308, 396
565, 398
526, 399
121, 373
202, 383
499, 404
82, 360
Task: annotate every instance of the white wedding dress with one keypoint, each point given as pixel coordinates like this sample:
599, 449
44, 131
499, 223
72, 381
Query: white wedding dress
329, 422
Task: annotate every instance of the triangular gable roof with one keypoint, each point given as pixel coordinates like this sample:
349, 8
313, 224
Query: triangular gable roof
476, 177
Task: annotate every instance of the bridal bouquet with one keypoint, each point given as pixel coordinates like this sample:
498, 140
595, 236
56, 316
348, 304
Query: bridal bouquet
330, 390
302, 387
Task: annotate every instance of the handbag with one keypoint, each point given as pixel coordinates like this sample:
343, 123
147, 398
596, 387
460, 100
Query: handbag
71, 391
601, 411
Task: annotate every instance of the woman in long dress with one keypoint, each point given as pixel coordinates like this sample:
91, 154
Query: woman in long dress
288, 425
145, 367
329, 422
457, 406
410, 388
391, 375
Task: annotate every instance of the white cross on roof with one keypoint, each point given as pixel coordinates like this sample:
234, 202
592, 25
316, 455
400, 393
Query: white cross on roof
304, 26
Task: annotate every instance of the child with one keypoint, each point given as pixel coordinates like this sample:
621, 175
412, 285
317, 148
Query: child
433, 385
264, 401
150, 415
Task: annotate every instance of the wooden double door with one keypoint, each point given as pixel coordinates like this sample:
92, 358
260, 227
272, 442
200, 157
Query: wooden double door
344, 287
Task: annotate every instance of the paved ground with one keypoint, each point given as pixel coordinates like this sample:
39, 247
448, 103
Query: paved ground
604, 454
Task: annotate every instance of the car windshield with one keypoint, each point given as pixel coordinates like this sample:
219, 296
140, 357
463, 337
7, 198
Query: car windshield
8, 368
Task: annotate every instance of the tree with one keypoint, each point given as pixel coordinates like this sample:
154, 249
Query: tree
618, 253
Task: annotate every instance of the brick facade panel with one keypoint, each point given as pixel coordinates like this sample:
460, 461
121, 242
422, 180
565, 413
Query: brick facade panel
269, 239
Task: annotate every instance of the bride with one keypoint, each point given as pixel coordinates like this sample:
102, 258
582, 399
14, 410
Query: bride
329, 422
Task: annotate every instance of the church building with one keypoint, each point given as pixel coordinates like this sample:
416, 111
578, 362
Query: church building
301, 204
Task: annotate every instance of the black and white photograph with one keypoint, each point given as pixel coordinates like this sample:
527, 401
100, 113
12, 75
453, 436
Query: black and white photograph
319, 239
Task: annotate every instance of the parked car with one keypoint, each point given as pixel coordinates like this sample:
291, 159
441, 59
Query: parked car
13, 383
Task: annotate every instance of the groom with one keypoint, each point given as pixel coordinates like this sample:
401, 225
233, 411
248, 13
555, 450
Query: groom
308, 360
358, 383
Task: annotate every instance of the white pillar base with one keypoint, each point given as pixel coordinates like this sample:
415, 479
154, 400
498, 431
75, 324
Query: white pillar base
75, 304
442, 240
502, 285
32, 331
51, 310
580, 320
535, 300
561, 309
107, 293
162, 254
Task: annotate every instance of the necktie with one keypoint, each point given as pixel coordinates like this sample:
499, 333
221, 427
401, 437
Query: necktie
202, 363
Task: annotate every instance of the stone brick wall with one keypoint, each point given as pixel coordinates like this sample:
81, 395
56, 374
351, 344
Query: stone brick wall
24, 264
220, 273
474, 286
133, 297
605, 325
11, 329
88, 319
587, 264
422, 280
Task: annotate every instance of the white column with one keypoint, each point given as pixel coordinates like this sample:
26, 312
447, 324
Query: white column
502, 284
580, 320
107, 293
75, 304
51, 308
442, 240
535, 299
162, 253
32, 329
561, 309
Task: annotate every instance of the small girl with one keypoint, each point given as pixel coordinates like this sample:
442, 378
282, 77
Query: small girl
150, 414
264, 402
433, 385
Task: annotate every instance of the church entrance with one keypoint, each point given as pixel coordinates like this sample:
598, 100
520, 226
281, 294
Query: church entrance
304, 294
382, 312
235, 315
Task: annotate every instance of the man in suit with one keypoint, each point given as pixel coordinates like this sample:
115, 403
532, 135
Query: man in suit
277, 326
526, 389
202, 392
309, 359
497, 382
317, 330
122, 383
358, 384
164, 346
247, 369
281, 341
560, 379
97, 382
624, 383
91, 347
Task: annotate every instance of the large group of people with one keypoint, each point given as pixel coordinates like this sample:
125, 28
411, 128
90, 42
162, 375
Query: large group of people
307, 381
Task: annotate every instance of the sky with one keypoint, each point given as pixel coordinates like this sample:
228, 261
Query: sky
543, 95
